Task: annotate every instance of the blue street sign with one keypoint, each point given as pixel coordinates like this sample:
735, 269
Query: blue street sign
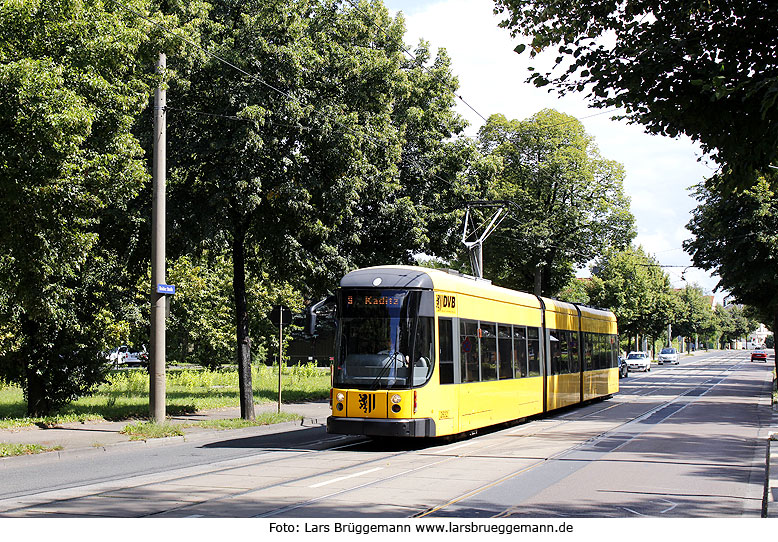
168, 289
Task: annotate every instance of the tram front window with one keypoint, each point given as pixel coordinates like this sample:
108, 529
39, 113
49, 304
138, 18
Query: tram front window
382, 342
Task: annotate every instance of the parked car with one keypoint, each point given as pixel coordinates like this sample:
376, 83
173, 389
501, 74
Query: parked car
131, 357
118, 354
668, 355
623, 368
638, 361
759, 354
137, 358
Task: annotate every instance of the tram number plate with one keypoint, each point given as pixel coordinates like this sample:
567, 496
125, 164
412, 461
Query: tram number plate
443, 415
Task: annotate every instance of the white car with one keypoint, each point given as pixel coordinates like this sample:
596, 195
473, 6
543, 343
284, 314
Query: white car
669, 355
638, 361
119, 354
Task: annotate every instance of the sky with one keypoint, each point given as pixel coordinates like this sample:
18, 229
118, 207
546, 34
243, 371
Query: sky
492, 79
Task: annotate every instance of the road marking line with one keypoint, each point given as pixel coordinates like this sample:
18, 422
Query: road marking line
320, 484
674, 504
447, 450
630, 510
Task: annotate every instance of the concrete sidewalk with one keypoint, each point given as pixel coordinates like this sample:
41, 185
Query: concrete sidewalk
72, 437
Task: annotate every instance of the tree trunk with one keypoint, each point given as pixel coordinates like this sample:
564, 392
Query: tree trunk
242, 325
539, 279
37, 403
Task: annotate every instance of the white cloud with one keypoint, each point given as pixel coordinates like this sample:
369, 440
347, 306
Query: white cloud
492, 79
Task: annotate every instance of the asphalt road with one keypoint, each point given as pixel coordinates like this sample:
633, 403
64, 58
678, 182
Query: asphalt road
679, 441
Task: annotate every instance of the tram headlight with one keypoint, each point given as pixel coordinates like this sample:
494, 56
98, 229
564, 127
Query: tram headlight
395, 399
340, 397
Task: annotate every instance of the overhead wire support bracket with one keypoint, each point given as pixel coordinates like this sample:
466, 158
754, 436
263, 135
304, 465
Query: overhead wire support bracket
476, 247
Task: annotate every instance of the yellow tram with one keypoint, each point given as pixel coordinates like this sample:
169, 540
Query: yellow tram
425, 353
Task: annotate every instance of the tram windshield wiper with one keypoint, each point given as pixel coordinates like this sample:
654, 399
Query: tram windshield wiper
392, 359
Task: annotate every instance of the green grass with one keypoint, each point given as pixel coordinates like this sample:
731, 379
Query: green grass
7, 450
126, 394
147, 430
266, 418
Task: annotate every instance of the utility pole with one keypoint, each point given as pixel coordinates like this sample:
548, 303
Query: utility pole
158, 299
280, 359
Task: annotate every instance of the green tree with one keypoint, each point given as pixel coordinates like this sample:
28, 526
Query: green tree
569, 201
200, 327
295, 149
575, 292
694, 313
636, 289
733, 323
735, 238
73, 79
704, 68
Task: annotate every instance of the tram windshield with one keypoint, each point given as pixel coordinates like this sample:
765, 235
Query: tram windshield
383, 343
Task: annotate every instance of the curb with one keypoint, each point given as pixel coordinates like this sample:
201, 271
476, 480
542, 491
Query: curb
195, 436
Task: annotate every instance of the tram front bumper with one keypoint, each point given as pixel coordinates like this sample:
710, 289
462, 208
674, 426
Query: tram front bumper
415, 427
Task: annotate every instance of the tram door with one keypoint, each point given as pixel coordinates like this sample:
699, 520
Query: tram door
447, 419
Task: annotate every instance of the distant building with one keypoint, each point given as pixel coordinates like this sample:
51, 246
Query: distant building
757, 338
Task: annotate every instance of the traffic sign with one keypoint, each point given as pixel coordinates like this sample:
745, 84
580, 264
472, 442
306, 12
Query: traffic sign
280, 315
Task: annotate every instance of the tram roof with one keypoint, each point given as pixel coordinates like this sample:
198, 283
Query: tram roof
403, 276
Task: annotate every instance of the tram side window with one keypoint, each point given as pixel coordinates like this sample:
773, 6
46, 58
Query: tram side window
505, 347
488, 351
587, 351
520, 350
446, 357
534, 355
468, 336
575, 358
614, 340
564, 351
600, 364
555, 351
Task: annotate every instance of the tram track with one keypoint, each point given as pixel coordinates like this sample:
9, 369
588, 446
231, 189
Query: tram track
658, 411
651, 417
469, 454
452, 454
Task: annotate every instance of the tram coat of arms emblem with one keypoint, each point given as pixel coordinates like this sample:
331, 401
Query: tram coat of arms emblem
367, 402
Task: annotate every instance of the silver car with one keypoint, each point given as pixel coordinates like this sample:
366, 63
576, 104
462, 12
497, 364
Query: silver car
668, 355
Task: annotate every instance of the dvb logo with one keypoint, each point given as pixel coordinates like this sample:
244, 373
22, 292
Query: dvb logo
446, 303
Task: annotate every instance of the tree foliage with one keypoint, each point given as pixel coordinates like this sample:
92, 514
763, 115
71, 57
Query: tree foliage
72, 83
569, 202
704, 68
733, 323
297, 144
736, 238
694, 313
636, 289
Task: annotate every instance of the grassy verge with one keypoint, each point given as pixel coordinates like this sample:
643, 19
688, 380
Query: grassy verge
266, 418
147, 430
7, 450
125, 394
